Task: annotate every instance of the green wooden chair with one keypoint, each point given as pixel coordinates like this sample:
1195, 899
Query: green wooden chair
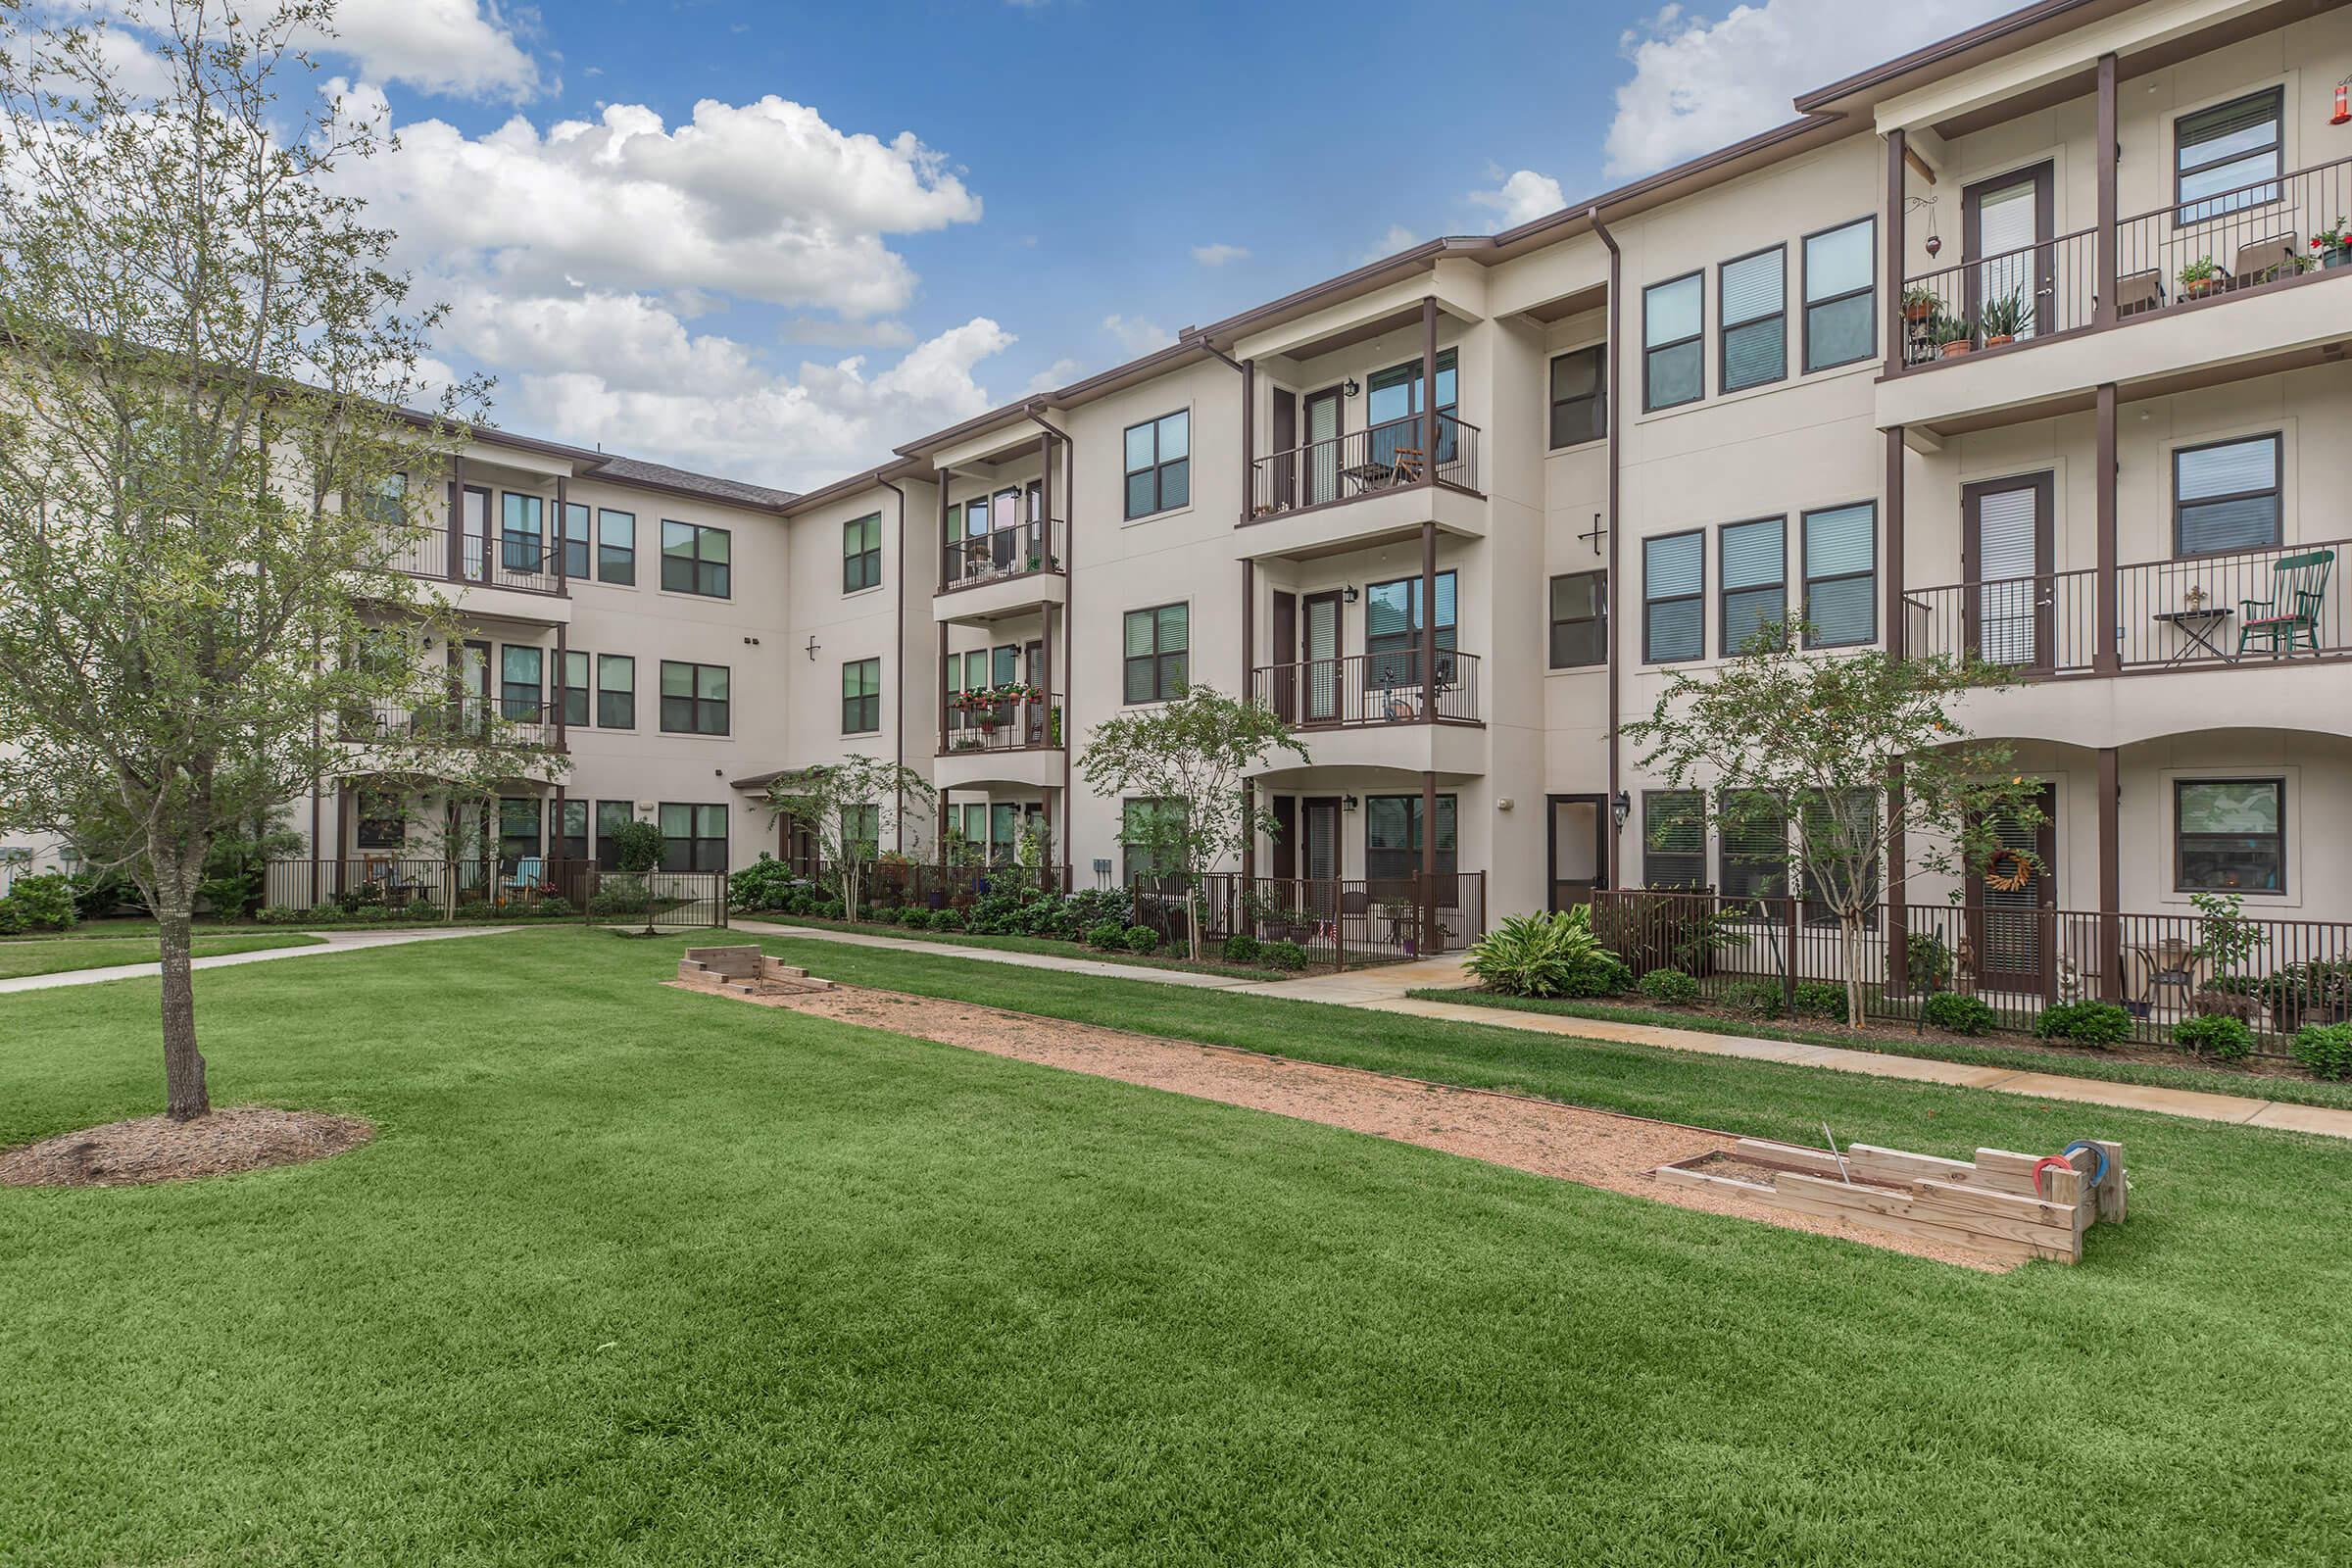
2298, 590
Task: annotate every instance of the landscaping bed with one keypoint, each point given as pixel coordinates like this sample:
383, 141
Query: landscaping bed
1157, 958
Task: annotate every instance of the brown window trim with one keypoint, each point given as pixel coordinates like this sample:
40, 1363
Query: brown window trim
695, 700
2181, 882
1700, 597
2183, 203
1724, 325
1598, 618
2276, 492
1806, 304
862, 699
1650, 350
1598, 397
1804, 548
1722, 583
1651, 850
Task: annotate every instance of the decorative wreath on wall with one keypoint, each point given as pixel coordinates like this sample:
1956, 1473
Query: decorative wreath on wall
2007, 872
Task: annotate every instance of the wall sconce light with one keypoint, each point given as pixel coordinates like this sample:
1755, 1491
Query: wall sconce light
1350, 593
1348, 803
1621, 808
1351, 388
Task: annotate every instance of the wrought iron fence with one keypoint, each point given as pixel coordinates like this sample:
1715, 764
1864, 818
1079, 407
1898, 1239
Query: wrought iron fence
2033, 292
981, 721
1369, 688
1381, 457
1336, 920
1001, 553
524, 562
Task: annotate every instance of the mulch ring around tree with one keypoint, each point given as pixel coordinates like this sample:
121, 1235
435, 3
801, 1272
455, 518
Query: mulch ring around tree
157, 1149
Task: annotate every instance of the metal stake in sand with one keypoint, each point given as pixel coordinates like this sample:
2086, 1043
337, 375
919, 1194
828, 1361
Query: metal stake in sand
1834, 1155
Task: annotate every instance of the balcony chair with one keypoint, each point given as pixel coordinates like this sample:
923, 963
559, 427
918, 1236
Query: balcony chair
2298, 593
1407, 465
2262, 261
529, 872
2139, 294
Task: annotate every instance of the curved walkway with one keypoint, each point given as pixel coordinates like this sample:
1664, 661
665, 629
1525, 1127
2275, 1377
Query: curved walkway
328, 942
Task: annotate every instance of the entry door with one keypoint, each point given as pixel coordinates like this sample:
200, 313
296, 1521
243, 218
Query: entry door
1319, 838
1579, 853
2013, 929
1321, 480
474, 547
1282, 488
471, 665
1285, 662
1322, 659
2006, 548
1286, 837
2005, 227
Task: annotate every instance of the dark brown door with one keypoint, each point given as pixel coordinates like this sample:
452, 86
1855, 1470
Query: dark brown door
2006, 573
1282, 469
474, 536
2014, 930
1579, 848
1286, 836
1321, 670
1284, 676
1319, 456
2006, 237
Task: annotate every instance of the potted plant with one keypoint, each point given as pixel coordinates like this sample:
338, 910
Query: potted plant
2199, 278
1952, 336
2000, 320
1919, 304
2333, 243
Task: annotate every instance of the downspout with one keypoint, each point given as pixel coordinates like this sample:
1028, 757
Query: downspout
1069, 634
898, 836
1616, 395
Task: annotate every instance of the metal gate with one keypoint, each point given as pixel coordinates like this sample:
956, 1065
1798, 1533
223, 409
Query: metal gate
667, 901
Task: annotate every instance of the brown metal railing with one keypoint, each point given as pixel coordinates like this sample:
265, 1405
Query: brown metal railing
1002, 552
2178, 613
2016, 959
1338, 920
523, 562
1364, 690
485, 887
493, 720
2051, 288
1363, 462
1023, 723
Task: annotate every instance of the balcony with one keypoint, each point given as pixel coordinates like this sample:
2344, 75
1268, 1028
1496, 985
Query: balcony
1001, 573
1370, 691
1000, 736
1384, 476
516, 564
447, 719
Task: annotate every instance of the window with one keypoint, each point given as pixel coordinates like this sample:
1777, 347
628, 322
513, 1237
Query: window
575, 539
1159, 465
521, 545
382, 824
694, 559
1143, 824
1004, 828
616, 546
1859, 810
1392, 401
861, 554
1158, 647
862, 825
1674, 321
615, 691
1754, 566
694, 698
571, 831
1579, 396
387, 502
1392, 622
611, 814
517, 829
1673, 592
1752, 852
1841, 592
2226, 496
2230, 835
1674, 839
1393, 836
518, 671
2226, 157
694, 838
1580, 619
861, 696
1752, 300
573, 690
1841, 324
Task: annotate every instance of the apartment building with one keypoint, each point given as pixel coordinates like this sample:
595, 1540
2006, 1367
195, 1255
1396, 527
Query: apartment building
2020, 344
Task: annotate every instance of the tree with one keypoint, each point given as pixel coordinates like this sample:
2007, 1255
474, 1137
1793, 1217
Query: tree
1806, 744
1189, 758
849, 807
202, 439
638, 848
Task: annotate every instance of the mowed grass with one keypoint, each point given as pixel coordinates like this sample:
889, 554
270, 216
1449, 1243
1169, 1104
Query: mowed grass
20, 959
632, 1275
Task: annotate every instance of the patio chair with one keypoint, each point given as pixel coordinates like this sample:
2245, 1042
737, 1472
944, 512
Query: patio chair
2261, 261
2299, 592
1407, 464
528, 874
2139, 294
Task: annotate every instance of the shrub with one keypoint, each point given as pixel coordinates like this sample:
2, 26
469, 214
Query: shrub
764, 884
1282, 956
1240, 948
947, 920
280, 915
1142, 938
2215, 1034
2320, 991
1821, 999
99, 894
1754, 999
1093, 907
45, 903
1957, 1014
1046, 914
619, 898
2326, 1050
1542, 956
1927, 961
1670, 986
1683, 933
2086, 1024
1109, 935
551, 907
832, 910
11, 922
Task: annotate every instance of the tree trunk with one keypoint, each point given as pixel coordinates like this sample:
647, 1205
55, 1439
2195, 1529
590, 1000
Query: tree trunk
184, 1096
1849, 925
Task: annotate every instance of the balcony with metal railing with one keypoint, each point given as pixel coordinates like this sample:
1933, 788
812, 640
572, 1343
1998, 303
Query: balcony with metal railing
1367, 484
1005, 571
1371, 690
452, 720
521, 563
1009, 735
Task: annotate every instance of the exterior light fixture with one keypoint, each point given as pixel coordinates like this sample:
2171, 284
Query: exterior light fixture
1621, 808
1351, 388
1348, 803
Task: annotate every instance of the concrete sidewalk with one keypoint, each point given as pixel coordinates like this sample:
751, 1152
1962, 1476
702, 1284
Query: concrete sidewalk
332, 942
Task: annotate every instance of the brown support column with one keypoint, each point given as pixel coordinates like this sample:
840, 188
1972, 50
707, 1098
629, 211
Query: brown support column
1429, 863
562, 649
1044, 504
554, 835
2106, 651
1249, 439
1898, 938
2111, 877
343, 796
1429, 623
2103, 311
564, 521
1429, 390
1892, 525
1248, 694
941, 555
455, 539
1892, 308
941, 667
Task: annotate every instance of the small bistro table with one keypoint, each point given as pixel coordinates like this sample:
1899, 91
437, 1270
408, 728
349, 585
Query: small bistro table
2198, 628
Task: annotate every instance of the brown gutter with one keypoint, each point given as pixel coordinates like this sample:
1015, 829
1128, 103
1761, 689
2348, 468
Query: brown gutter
1069, 633
1616, 630
898, 836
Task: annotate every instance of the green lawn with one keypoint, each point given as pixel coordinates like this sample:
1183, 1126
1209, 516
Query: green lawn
633, 1275
54, 957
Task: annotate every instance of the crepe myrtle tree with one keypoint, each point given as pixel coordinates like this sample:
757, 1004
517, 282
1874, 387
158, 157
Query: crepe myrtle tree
1805, 743
848, 808
203, 362
1190, 757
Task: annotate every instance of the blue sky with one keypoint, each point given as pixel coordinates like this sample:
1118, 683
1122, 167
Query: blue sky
774, 240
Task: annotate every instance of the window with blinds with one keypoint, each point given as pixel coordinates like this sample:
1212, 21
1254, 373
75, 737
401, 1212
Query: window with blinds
2227, 157
1753, 303
1393, 630
1848, 818
1752, 851
1674, 840
2008, 591
1674, 593
1755, 581
2226, 496
1841, 324
1674, 327
1841, 579
1158, 649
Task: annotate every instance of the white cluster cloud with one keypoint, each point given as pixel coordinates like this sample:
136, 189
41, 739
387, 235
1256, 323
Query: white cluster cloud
1135, 337
463, 48
1522, 198
1699, 83
1218, 255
